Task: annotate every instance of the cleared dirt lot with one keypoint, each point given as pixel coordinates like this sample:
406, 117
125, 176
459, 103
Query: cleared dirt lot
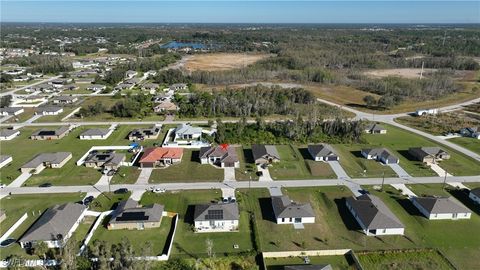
221, 61
410, 73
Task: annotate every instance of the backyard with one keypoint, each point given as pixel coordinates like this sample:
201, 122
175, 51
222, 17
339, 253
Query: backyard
399, 260
337, 262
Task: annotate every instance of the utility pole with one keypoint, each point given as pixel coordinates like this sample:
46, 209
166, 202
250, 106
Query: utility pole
445, 180
383, 179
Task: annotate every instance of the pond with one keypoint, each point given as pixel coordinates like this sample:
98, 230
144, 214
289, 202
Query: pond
179, 45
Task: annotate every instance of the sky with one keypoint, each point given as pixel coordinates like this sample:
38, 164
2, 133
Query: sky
232, 11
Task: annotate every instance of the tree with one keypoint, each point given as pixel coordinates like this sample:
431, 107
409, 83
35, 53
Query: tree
5, 101
41, 249
209, 247
369, 100
68, 255
221, 130
386, 101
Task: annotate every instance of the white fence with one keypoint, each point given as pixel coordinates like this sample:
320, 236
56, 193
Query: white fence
327, 252
93, 229
14, 227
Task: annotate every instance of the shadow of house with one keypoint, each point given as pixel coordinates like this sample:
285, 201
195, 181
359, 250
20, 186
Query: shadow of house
357, 154
305, 153
248, 154
267, 209
346, 216
195, 156
407, 155
188, 218
408, 206
462, 196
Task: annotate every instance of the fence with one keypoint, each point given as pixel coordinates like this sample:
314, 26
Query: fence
14, 227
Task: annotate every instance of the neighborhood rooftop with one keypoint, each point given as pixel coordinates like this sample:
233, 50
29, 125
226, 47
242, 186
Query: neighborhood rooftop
129, 211
53, 158
440, 205
216, 211
283, 207
373, 213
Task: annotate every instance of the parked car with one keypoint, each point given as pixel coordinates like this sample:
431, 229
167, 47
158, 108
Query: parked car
111, 172
2, 185
159, 190
121, 191
88, 200
45, 185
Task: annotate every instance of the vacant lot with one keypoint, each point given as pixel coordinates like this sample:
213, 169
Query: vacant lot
23, 149
439, 124
222, 61
409, 73
188, 243
470, 143
189, 170
296, 163
337, 262
108, 201
420, 260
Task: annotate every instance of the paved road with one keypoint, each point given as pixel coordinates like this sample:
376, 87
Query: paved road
30, 85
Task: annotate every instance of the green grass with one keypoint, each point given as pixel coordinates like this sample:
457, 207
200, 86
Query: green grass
137, 238
420, 260
247, 168
23, 149
296, 164
108, 201
337, 262
189, 170
17, 205
356, 166
57, 118
471, 144
456, 239
400, 141
187, 243
125, 175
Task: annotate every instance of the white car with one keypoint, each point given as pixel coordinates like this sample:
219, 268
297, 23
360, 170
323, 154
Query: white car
159, 190
2, 185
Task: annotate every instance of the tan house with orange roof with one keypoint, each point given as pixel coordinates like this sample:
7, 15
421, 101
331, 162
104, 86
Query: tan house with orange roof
161, 157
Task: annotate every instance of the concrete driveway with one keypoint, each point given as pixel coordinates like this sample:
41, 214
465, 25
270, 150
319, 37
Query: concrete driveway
339, 171
437, 169
18, 182
144, 176
399, 170
229, 174
104, 180
275, 191
265, 174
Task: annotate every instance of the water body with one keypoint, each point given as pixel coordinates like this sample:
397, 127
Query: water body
180, 45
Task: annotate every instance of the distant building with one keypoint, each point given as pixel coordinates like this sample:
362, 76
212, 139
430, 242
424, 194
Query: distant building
5, 111
107, 160
441, 208
424, 112
470, 132
428, 154
178, 86
46, 160
221, 155
144, 133
290, 212
375, 128
5, 160
55, 226
96, 87
8, 134
50, 134
380, 154
265, 154
130, 216
96, 134
165, 106
322, 152
216, 217
130, 74
64, 99
48, 110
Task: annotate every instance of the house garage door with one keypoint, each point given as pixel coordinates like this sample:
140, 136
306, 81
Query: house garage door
147, 165
229, 164
332, 158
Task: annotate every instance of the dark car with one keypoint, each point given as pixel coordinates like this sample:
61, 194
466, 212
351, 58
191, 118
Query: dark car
121, 191
88, 200
45, 185
7, 242
259, 173
111, 172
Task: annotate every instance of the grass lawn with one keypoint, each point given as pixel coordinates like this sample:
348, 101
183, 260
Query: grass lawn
189, 243
440, 123
400, 141
334, 226
337, 262
137, 238
420, 260
469, 143
108, 201
27, 114
23, 149
355, 165
295, 163
82, 229
456, 239
126, 175
17, 205
247, 168
189, 170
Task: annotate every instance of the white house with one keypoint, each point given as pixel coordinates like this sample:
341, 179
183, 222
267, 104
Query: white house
216, 217
380, 154
5, 160
290, 212
475, 195
441, 208
423, 112
11, 111
48, 110
8, 134
96, 134
221, 155
185, 132
373, 216
322, 152
55, 226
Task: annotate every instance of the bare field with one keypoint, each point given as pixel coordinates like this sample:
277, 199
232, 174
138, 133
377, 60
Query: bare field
409, 73
222, 61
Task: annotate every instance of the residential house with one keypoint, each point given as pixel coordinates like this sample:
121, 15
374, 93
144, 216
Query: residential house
220, 155
129, 215
55, 226
34, 99
475, 195
144, 133
134, 81
107, 160
178, 86
373, 216
428, 154
380, 154
470, 132
46, 160
5, 111
96, 87
165, 106
441, 208
50, 134
70, 87
265, 154
96, 134
8, 134
216, 217
5, 160
308, 267
375, 128
130, 74
59, 83
185, 132
161, 157
64, 99
151, 87
48, 110
423, 112
124, 86
290, 212
323, 152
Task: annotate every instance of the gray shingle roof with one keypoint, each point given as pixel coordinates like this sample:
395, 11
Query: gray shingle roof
381, 153
10, 110
216, 211
475, 191
227, 154
260, 150
129, 211
54, 158
7, 132
283, 207
96, 132
440, 205
184, 129
321, 150
49, 132
426, 151
4, 157
373, 213
57, 220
